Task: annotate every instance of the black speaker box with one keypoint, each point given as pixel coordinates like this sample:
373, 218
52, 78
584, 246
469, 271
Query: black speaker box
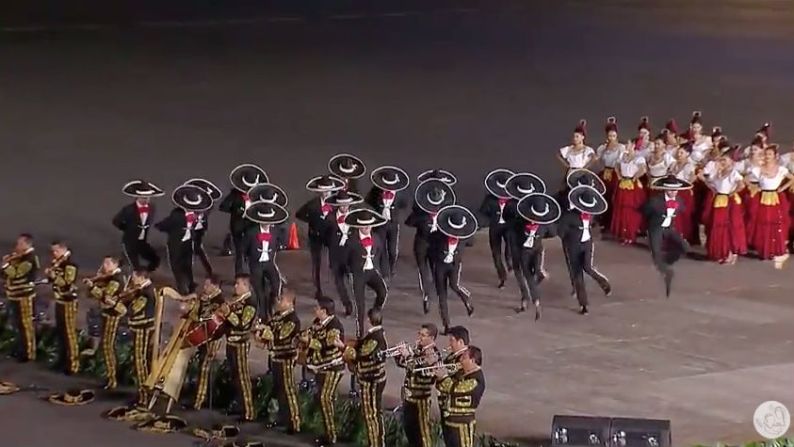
629, 432
580, 431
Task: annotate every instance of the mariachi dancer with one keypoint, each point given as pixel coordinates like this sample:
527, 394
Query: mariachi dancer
387, 197
202, 222
134, 221
314, 213
270, 193
337, 237
539, 212
574, 229
629, 196
370, 370
609, 154
455, 224
579, 177
660, 212
180, 225
242, 179
19, 272
105, 287
349, 168
577, 155
261, 248
498, 208
62, 274
439, 174
429, 197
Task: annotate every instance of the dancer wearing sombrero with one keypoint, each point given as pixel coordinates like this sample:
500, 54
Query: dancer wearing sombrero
179, 225
261, 248
574, 229
314, 213
242, 179
202, 223
134, 221
538, 214
387, 197
349, 168
455, 224
429, 197
498, 209
338, 236
660, 212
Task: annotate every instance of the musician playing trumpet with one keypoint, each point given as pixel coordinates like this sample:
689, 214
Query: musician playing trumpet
19, 272
463, 391
240, 316
458, 339
207, 303
418, 386
62, 274
106, 287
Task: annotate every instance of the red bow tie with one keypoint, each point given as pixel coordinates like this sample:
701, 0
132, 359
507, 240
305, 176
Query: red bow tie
671, 204
388, 195
531, 227
263, 237
340, 219
452, 240
190, 217
143, 209
585, 217
502, 202
246, 197
325, 208
366, 242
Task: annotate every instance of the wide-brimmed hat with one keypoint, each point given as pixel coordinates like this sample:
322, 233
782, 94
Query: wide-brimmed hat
266, 213
7, 388
191, 198
585, 177
218, 432
131, 413
440, 174
670, 183
390, 178
325, 183
141, 188
524, 183
163, 424
364, 217
496, 182
246, 176
587, 199
72, 397
346, 166
344, 198
208, 186
270, 193
539, 208
456, 221
433, 194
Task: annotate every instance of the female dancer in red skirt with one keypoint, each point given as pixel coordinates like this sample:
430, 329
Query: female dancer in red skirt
772, 217
672, 139
643, 145
629, 197
609, 153
659, 161
700, 145
684, 169
724, 219
750, 195
577, 155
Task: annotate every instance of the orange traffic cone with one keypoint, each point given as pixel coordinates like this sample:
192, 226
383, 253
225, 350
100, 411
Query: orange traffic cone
293, 243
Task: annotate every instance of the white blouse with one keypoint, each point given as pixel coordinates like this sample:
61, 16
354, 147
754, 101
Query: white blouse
576, 160
610, 157
685, 172
726, 184
748, 170
645, 149
770, 183
660, 168
629, 169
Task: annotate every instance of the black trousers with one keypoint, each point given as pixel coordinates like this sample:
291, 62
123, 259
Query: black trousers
391, 234
372, 407
316, 246
528, 269
286, 393
266, 281
424, 265
142, 354
237, 356
201, 253
180, 257
206, 354
416, 423
373, 280
66, 325
239, 255
580, 261
22, 310
327, 384
498, 235
341, 275
138, 250
458, 434
448, 276
667, 247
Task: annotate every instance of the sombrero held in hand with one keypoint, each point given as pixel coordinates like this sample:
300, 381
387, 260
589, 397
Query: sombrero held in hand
670, 183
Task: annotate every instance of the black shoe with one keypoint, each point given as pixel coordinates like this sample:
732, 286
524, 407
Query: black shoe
426, 305
537, 310
501, 284
226, 252
668, 282
522, 307
607, 288
583, 310
469, 307
348, 310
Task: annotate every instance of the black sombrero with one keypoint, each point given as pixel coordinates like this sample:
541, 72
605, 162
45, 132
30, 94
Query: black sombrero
325, 183
670, 183
7, 388
163, 424
456, 221
440, 174
72, 397
587, 199
496, 182
246, 176
141, 188
364, 217
266, 213
539, 208
208, 186
131, 414
270, 193
585, 177
433, 194
390, 178
344, 198
191, 198
524, 183
346, 166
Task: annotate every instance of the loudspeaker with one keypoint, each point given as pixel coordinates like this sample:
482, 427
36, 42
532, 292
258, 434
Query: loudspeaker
580, 431
629, 432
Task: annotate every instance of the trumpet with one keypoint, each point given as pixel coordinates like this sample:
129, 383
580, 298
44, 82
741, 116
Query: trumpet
451, 368
396, 350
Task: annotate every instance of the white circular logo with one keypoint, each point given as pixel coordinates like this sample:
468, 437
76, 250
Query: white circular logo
771, 419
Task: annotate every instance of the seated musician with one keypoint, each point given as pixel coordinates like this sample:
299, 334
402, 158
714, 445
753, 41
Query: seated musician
105, 287
208, 303
463, 392
418, 386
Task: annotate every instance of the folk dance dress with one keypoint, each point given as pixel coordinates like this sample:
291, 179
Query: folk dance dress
724, 219
772, 220
577, 159
628, 198
658, 167
751, 197
610, 157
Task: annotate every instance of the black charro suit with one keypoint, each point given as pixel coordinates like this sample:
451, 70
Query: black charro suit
134, 236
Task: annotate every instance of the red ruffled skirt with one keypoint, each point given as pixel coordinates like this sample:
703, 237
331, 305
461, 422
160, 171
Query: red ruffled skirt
725, 226
772, 223
626, 216
684, 221
752, 200
610, 179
